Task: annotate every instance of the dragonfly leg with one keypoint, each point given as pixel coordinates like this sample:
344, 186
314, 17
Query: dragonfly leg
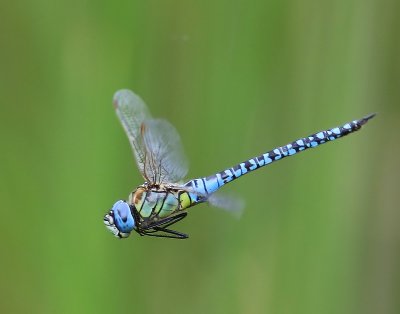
166, 233
161, 226
166, 222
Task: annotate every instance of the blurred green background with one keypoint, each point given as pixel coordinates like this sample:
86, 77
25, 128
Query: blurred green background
320, 230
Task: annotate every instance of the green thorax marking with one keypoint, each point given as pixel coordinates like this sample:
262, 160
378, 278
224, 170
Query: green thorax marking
159, 201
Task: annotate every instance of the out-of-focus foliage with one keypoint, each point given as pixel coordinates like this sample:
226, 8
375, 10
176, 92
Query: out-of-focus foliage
320, 230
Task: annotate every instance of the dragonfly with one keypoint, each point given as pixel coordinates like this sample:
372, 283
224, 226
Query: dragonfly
163, 199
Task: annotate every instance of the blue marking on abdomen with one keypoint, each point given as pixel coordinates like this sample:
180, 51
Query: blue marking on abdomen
214, 182
254, 166
243, 168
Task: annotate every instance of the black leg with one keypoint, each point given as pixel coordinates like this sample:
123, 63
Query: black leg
159, 228
165, 233
166, 222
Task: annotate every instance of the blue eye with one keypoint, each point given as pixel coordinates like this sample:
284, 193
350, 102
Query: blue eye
123, 218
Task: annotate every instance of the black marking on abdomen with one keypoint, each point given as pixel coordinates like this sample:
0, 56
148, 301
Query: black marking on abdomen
281, 152
204, 184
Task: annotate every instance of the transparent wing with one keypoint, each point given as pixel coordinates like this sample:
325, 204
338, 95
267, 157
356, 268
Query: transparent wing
155, 143
229, 203
132, 112
165, 161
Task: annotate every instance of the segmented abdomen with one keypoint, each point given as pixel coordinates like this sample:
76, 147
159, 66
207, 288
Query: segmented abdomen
212, 183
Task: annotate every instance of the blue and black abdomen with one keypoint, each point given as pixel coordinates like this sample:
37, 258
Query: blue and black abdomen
212, 183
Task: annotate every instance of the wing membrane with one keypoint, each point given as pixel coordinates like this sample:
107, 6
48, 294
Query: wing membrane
229, 203
155, 143
165, 160
132, 112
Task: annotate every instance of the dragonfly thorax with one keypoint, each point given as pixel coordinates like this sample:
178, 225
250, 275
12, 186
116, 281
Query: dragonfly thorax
154, 202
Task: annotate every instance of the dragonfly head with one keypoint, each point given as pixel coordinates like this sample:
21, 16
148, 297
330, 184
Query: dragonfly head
119, 220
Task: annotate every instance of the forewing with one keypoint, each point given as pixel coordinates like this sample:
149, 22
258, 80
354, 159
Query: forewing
132, 112
165, 161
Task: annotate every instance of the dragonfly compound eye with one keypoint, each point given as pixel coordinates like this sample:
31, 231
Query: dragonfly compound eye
123, 218
120, 220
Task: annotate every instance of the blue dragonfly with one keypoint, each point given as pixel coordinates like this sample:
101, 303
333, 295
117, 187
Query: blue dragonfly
162, 200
